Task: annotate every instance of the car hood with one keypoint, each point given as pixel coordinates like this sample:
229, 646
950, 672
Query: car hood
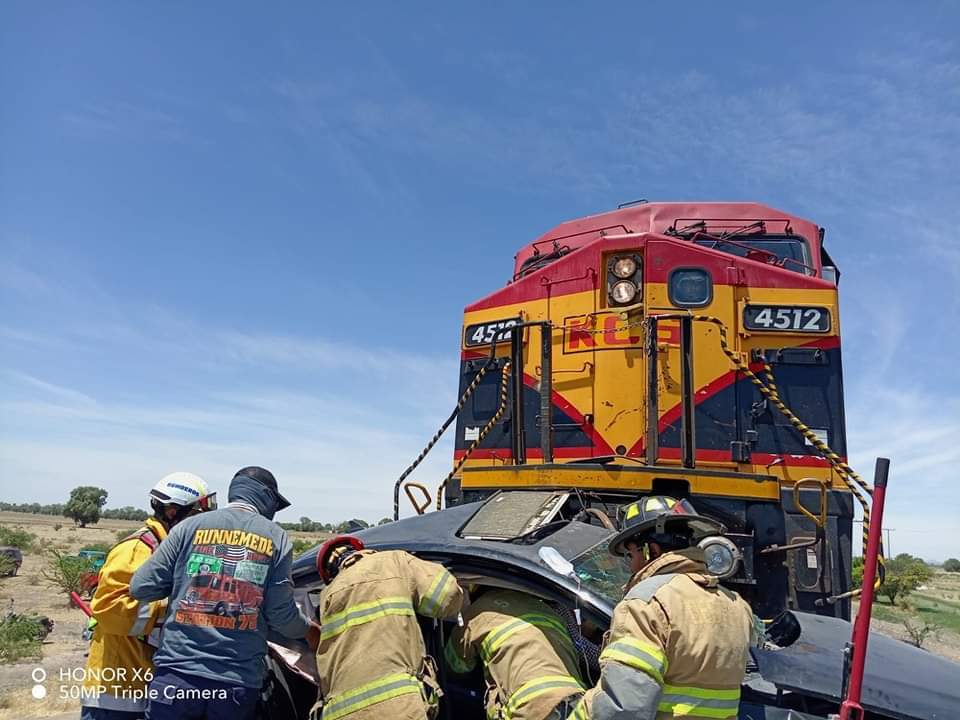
901, 681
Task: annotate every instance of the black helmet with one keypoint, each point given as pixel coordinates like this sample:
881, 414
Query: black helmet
661, 518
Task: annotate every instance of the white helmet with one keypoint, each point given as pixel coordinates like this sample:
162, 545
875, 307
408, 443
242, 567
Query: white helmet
184, 489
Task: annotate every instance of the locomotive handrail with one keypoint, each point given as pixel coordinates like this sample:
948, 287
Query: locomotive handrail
419, 507
513, 371
443, 428
504, 378
819, 520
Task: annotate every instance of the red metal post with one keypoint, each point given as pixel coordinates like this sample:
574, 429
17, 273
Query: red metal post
79, 602
851, 708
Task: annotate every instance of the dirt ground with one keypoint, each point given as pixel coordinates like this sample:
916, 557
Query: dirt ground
65, 650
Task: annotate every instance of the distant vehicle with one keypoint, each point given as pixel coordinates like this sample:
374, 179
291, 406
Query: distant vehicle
498, 543
96, 558
15, 556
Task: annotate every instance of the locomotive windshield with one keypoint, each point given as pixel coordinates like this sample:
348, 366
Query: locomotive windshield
788, 252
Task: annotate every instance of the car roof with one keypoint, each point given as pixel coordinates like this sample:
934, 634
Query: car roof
435, 534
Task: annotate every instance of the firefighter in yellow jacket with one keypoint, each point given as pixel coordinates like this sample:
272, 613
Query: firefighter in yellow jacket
371, 661
528, 657
678, 642
119, 664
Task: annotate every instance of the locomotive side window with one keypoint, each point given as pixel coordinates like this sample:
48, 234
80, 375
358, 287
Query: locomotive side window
690, 287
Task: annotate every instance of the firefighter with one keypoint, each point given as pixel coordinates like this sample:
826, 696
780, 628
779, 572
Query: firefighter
529, 659
372, 662
119, 661
227, 574
678, 642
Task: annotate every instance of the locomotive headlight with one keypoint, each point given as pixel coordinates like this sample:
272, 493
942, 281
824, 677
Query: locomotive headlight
623, 292
624, 267
721, 556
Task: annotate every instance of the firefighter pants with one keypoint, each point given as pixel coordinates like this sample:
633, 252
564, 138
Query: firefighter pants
175, 696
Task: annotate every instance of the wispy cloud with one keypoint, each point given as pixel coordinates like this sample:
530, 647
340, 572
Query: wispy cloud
336, 421
57, 392
138, 121
335, 459
15, 278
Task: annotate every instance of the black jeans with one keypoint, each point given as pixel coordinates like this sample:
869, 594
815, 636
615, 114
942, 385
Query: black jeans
175, 696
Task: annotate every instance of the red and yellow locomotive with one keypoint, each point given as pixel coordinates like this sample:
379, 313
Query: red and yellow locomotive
686, 349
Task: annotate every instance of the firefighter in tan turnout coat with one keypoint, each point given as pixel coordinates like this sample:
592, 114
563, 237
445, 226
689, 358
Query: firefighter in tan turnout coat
528, 657
678, 642
371, 661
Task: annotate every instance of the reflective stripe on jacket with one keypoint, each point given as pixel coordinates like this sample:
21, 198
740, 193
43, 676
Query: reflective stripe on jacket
528, 656
678, 647
371, 649
119, 660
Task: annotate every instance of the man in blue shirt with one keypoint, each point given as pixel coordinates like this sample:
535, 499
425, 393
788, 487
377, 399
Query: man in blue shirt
227, 574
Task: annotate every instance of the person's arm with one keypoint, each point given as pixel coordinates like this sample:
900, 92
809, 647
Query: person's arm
460, 653
436, 591
632, 665
116, 612
154, 579
280, 610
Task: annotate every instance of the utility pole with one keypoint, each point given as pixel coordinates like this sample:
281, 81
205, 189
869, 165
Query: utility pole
888, 547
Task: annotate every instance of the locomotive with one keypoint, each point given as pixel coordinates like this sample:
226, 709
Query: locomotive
683, 349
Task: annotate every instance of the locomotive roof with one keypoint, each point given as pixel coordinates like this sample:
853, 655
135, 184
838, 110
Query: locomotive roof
658, 217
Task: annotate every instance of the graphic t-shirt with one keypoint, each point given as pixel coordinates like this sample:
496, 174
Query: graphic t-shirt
227, 573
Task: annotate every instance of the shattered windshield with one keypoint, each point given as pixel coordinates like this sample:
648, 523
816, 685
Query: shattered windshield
602, 573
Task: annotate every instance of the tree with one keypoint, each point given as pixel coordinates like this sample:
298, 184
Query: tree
904, 574
857, 572
84, 504
952, 565
385, 521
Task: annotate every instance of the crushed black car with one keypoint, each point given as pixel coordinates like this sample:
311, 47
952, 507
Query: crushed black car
483, 546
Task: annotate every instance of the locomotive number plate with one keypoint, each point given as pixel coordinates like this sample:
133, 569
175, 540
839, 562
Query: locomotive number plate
485, 333
786, 318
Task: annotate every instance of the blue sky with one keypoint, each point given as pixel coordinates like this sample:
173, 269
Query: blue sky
233, 236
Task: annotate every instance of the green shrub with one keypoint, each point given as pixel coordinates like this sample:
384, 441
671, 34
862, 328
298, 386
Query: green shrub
7, 566
19, 639
301, 545
17, 537
69, 573
952, 565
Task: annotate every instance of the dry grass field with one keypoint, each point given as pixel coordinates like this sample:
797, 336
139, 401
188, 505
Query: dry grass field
936, 603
